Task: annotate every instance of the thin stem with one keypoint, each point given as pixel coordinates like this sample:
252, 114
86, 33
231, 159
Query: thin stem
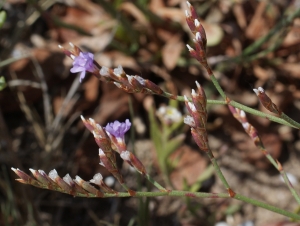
217, 169
217, 85
261, 114
192, 195
242, 107
289, 120
267, 206
270, 158
290, 186
173, 194
161, 188
278, 166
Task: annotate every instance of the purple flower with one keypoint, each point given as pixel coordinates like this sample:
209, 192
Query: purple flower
118, 129
83, 63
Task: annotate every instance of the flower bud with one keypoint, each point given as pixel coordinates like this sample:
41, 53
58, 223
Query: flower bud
133, 161
60, 182
86, 186
25, 179
266, 101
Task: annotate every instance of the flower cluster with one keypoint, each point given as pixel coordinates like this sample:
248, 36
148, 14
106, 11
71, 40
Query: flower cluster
200, 40
198, 117
84, 62
75, 187
110, 139
169, 115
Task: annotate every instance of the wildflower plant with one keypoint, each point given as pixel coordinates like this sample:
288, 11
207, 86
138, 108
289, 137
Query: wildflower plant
167, 135
110, 139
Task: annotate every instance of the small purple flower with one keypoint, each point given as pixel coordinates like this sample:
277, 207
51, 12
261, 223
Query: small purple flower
118, 129
83, 63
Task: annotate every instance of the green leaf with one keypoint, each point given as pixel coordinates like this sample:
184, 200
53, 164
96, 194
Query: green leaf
172, 145
155, 132
2, 18
232, 209
2, 83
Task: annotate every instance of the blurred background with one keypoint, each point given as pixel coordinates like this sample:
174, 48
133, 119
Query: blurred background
250, 44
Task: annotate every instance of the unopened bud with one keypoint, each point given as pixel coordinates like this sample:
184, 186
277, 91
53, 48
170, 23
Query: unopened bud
133, 161
25, 179
266, 101
60, 182
41, 178
200, 137
98, 179
86, 186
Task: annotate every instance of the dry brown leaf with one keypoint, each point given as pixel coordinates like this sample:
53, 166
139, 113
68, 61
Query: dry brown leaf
88, 22
283, 223
174, 14
262, 73
113, 104
191, 164
293, 37
239, 14
258, 26
130, 8
91, 89
90, 7
292, 68
171, 51
252, 154
156, 4
95, 43
214, 33
115, 58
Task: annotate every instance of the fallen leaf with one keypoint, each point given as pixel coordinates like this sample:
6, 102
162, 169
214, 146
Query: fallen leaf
191, 164
171, 51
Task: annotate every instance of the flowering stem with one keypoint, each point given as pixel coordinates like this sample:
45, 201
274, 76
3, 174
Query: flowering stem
245, 108
261, 114
203, 195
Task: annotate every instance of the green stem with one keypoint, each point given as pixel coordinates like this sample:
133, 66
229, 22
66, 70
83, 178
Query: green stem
289, 120
217, 85
242, 107
204, 195
149, 178
217, 169
261, 114
283, 174
182, 194
267, 206
290, 186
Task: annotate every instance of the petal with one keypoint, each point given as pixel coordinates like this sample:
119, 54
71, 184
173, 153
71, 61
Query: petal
77, 69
